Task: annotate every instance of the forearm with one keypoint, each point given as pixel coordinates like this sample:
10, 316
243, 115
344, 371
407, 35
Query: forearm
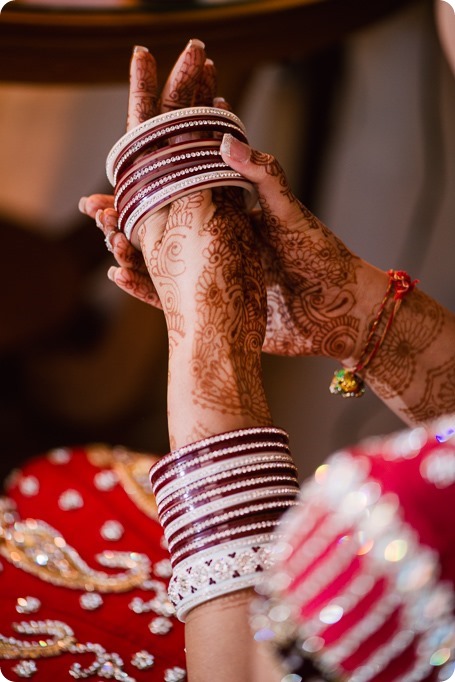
413, 370
212, 391
219, 641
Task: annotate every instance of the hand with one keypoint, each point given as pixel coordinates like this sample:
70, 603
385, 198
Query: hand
320, 296
198, 262
192, 81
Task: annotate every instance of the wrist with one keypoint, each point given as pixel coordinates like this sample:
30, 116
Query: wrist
371, 287
216, 396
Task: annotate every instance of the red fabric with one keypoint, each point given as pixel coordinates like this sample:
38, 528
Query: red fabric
114, 625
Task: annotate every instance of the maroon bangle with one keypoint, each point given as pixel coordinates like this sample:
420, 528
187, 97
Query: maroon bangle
155, 164
154, 140
149, 186
231, 477
183, 506
174, 192
186, 550
218, 442
181, 468
274, 508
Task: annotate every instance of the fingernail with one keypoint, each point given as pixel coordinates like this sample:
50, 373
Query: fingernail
111, 273
139, 48
195, 42
82, 203
236, 150
98, 218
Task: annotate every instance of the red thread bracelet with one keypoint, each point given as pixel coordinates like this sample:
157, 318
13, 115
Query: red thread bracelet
349, 383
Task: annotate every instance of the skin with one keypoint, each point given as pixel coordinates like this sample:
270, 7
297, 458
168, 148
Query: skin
231, 285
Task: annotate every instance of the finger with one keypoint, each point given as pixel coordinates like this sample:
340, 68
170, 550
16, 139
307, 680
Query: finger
221, 103
135, 284
206, 90
92, 204
143, 94
126, 255
181, 87
275, 195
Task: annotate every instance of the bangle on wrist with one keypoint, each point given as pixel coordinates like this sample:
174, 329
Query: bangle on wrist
220, 501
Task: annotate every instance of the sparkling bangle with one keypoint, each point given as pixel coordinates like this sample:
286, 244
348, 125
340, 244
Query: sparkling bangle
178, 116
227, 439
234, 566
150, 170
255, 450
220, 501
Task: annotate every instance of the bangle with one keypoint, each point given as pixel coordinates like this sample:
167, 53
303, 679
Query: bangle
220, 501
177, 117
348, 382
179, 155
149, 169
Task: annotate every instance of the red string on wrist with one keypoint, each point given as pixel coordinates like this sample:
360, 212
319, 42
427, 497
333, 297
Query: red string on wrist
349, 383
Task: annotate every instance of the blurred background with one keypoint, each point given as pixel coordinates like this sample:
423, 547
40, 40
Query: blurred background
364, 125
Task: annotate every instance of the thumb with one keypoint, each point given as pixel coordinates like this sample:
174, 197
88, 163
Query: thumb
264, 171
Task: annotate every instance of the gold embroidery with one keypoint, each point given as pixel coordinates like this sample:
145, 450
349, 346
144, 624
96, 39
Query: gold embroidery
36, 547
132, 469
61, 641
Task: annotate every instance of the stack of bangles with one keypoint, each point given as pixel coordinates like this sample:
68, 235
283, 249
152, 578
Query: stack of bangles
150, 166
220, 501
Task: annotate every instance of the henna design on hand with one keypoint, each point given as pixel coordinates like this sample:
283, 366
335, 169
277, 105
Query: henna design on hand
311, 282
439, 394
207, 271
184, 81
229, 333
143, 89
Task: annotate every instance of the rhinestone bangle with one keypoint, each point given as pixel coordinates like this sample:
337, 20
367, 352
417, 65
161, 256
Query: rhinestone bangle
221, 440
149, 170
215, 499
166, 119
186, 466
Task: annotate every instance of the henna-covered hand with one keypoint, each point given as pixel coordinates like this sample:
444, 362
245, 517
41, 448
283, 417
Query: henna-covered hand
192, 81
207, 273
322, 300
199, 262
315, 296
